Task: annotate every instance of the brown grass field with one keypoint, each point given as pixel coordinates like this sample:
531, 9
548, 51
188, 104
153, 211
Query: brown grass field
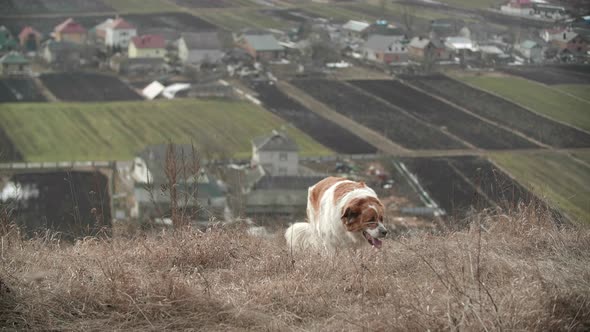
504, 272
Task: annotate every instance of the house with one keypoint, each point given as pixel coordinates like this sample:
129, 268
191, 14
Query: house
354, 29
30, 39
200, 47
276, 153
567, 39
14, 63
518, 8
550, 11
199, 195
263, 46
462, 47
62, 54
70, 31
420, 48
382, 27
386, 49
530, 50
492, 54
115, 33
277, 184
147, 46
7, 43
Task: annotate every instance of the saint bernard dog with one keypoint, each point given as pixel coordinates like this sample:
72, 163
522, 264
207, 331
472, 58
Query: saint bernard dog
341, 214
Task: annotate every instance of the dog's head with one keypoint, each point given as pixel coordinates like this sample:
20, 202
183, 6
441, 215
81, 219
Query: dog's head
364, 216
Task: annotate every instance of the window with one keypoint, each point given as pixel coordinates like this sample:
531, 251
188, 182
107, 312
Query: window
282, 171
283, 156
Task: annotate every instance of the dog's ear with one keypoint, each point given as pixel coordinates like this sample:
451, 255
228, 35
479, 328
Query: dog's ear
348, 216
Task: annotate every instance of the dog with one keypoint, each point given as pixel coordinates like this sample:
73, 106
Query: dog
340, 214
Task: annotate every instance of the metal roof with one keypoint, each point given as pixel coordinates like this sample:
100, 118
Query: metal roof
275, 142
266, 42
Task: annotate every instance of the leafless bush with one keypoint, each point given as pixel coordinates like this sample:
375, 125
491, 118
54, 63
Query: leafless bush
505, 272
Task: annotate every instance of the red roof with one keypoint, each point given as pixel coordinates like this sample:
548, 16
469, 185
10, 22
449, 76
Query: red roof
27, 31
120, 23
70, 26
149, 41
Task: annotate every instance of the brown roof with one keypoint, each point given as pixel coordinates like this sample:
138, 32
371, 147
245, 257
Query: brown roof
120, 23
149, 41
70, 26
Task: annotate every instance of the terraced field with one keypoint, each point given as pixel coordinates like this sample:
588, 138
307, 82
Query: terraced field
322, 130
392, 123
19, 90
88, 87
118, 130
431, 110
507, 113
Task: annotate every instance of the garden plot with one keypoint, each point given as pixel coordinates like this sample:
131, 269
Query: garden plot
378, 116
19, 90
463, 125
29, 7
88, 87
212, 3
552, 75
504, 112
322, 130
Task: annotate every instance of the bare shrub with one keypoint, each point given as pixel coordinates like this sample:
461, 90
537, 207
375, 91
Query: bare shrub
505, 272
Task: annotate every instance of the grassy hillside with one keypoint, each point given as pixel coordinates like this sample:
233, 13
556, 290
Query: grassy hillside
537, 97
239, 18
520, 274
578, 90
563, 181
473, 3
106, 131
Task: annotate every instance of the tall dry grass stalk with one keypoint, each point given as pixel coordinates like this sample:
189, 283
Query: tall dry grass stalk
505, 272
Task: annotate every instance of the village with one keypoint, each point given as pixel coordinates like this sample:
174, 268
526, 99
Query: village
177, 56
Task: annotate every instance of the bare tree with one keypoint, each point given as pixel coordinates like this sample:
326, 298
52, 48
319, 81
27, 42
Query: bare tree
408, 18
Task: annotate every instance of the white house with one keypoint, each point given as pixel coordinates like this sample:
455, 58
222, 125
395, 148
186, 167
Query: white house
116, 32
277, 154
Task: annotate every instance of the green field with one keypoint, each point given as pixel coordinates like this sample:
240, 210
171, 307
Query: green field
580, 91
555, 176
370, 12
141, 6
539, 98
583, 155
116, 131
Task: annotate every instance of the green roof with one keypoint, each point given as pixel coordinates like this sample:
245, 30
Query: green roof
528, 44
14, 58
265, 42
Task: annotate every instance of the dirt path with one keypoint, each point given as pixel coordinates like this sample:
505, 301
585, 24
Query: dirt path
380, 142
44, 91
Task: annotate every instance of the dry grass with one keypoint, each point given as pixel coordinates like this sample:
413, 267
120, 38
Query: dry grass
517, 272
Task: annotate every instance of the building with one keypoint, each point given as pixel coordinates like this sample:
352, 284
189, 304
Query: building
199, 195
549, 11
386, 49
461, 47
355, 29
7, 43
14, 63
445, 27
567, 39
276, 153
147, 46
30, 39
70, 31
420, 48
200, 47
115, 32
62, 54
277, 185
518, 8
262, 46
533, 52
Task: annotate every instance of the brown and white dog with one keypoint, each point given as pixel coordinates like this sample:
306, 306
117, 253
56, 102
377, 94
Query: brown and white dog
341, 214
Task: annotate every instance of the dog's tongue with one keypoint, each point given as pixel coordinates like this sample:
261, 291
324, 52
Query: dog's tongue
373, 241
376, 243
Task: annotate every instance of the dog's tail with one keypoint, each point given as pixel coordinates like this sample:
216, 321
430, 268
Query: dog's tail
299, 236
